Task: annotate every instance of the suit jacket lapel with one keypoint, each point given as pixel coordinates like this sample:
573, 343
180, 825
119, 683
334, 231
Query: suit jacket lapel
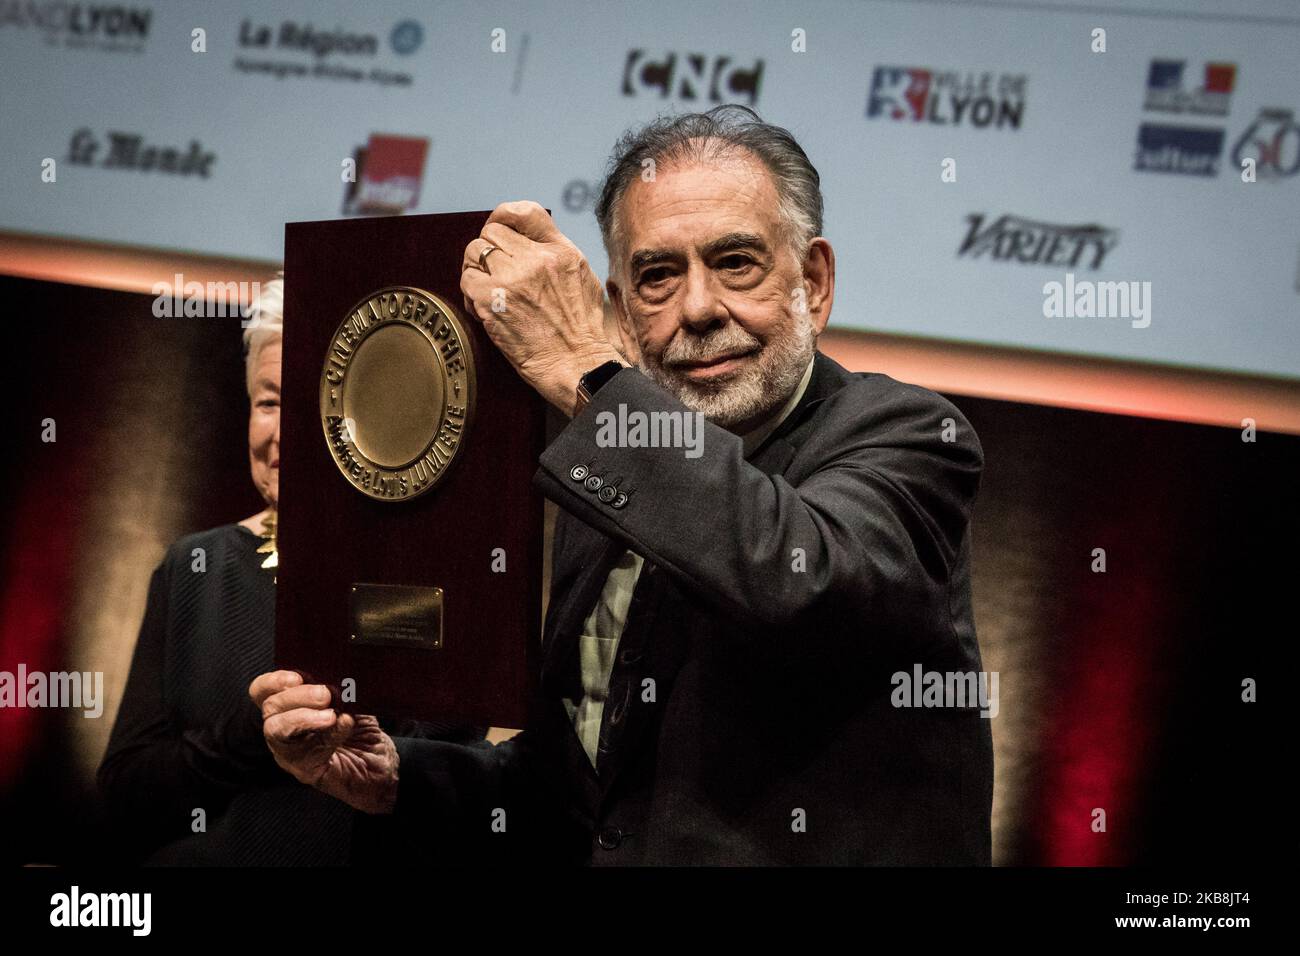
774, 455
657, 652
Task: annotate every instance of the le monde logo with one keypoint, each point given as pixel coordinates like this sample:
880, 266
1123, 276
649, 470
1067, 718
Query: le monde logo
131, 151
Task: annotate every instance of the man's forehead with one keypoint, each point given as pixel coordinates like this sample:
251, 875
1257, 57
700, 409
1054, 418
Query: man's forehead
697, 201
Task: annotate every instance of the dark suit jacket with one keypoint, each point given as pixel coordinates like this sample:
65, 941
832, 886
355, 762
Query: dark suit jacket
749, 719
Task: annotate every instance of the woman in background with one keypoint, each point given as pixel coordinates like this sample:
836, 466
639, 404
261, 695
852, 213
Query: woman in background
187, 775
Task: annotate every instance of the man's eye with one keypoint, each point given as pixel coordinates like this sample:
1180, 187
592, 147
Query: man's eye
651, 276
269, 403
734, 263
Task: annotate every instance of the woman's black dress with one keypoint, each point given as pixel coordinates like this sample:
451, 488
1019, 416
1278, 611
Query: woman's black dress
187, 737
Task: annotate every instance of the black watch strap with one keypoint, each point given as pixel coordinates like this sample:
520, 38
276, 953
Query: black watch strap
591, 383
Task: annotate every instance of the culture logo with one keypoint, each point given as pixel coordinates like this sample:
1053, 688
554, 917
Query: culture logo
1189, 150
947, 98
1182, 149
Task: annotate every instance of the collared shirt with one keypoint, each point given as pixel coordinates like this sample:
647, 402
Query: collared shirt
598, 643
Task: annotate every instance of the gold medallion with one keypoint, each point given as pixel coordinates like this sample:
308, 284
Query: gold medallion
397, 392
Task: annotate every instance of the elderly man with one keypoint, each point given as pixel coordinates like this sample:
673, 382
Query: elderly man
731, 621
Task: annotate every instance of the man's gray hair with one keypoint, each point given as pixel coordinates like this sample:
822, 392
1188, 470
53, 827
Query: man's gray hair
696, 137
265, 324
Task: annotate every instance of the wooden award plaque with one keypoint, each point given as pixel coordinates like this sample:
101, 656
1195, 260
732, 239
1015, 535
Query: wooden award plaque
409, 535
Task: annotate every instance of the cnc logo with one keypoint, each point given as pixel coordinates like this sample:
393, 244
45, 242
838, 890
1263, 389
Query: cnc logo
131, 151
1165, 92
1014, 239
1190, 150
386, 176
108, 28
947, 98
1273, 142
693, 77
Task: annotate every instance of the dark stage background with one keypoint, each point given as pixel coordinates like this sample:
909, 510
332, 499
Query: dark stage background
1119, 691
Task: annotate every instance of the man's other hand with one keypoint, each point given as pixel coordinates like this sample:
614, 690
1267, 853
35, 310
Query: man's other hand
348, 757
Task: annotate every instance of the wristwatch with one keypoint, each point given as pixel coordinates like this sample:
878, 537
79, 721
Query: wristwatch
590, 383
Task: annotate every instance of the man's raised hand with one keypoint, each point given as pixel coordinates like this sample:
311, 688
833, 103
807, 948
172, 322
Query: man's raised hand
539, 301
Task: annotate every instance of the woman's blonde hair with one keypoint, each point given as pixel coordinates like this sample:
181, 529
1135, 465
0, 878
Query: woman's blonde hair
265, 324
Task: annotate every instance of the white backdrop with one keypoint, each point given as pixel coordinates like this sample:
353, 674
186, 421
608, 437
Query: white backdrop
537, 120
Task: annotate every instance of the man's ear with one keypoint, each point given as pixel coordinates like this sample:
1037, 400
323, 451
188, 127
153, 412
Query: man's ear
819, 280
618, 324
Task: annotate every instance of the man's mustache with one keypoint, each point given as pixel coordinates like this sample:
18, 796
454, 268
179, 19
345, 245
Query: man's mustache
716, 345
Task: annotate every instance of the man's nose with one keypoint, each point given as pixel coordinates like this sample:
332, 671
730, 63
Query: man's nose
702, 309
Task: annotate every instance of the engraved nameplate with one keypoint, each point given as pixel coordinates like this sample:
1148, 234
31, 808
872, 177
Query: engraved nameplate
392, 615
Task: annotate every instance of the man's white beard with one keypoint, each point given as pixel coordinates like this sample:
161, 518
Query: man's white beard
757, 391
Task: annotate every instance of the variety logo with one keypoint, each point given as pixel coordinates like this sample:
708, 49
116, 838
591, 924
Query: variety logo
388, 174
1273, 142
1190, 150
1165, 92
131, 151
692, 77
108, 28
324, 54
947, 98
1013, 239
